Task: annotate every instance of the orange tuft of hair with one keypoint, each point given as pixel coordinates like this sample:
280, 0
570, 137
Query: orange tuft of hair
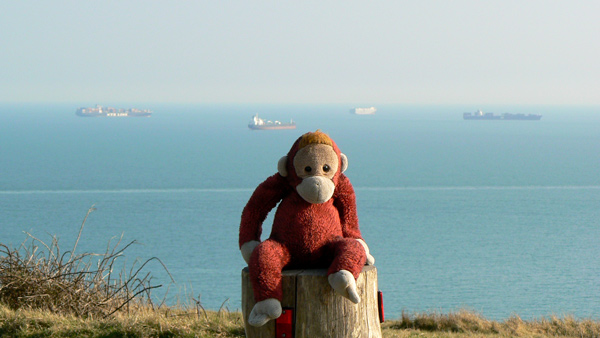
318, 137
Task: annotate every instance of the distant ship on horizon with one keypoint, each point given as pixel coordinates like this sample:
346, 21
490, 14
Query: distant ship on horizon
363, 111
260, 124
100, 111
480, 115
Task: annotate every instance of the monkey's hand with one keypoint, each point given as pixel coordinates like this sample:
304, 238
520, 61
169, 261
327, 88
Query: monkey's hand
247, 249
370, 259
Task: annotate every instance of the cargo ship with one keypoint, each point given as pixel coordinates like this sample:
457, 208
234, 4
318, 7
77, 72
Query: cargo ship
363, 111
480, 115
260, 124
98, 110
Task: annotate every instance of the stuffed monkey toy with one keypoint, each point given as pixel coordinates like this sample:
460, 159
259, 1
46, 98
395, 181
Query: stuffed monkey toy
315, 225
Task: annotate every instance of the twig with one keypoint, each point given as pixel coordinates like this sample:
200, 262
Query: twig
81, 228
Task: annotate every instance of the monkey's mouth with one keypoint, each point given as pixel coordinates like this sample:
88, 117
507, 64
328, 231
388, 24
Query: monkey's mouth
316, 189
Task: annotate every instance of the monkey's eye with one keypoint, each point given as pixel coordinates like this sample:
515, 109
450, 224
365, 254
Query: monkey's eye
308, 169
326, 168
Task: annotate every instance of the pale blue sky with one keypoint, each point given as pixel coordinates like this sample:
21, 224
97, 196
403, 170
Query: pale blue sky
361, 52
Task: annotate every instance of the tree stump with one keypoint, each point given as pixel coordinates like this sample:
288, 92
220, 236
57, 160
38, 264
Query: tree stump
318, 311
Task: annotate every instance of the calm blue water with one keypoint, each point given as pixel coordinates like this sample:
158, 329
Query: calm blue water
499, 217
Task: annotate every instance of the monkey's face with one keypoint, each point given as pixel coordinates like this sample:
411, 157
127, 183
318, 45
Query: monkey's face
316, 165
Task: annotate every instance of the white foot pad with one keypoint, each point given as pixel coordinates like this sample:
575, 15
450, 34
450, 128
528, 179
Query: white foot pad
264, 311
343, 282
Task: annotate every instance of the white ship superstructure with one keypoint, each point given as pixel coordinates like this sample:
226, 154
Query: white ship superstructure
364, 111
260, 124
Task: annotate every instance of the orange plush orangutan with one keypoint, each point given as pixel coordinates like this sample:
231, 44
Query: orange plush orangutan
315, 225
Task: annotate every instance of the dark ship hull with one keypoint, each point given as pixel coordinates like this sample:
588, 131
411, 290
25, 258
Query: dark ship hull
479, 115
100, 111
272, 127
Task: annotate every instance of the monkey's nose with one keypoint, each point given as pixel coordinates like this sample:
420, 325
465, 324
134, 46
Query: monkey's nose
316, 189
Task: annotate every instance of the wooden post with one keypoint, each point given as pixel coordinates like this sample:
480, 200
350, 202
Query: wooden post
318, 310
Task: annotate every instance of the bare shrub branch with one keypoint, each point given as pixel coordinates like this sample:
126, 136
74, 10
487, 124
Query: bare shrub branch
37, 276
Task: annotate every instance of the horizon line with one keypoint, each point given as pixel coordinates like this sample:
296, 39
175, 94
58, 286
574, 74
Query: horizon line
353, 104
234, 190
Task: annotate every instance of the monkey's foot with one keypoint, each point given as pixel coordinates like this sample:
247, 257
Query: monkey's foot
343, 282
264, 311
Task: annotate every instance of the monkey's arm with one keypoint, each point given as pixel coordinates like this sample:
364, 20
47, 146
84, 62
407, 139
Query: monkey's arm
265, 197
345, 202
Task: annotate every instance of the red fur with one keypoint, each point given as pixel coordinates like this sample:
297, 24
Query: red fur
304, 235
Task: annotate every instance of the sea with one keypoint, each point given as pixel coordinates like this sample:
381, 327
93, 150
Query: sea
497, 217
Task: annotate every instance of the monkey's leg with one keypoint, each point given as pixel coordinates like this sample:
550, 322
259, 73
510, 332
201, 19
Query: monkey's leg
349, 259
266, 263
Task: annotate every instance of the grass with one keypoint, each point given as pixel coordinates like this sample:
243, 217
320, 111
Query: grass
37, 275
188, 322
469, 324
45, 292
138, 322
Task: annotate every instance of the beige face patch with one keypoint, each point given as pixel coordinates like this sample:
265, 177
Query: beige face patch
316, 160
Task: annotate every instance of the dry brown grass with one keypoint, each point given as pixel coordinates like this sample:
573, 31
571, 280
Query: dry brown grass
465, 323
37, 275
193, 322
139, 322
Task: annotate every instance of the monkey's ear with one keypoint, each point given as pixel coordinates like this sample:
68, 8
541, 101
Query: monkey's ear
282, 166
344, 164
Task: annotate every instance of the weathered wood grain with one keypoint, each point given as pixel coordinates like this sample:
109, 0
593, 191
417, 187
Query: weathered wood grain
319, 311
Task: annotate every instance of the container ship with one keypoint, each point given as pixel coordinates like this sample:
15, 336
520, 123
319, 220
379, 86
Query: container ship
363, 111
260, 124
479, 115
112, 112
